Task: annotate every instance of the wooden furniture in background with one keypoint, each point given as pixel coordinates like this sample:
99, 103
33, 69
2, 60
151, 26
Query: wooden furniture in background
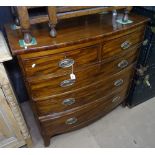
13, 129
82, 74
27, 16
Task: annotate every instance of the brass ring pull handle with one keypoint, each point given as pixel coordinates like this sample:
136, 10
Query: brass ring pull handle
71, 121
118, 82
67, 83
123, 64
68, 101
116, 99
66, 63
126, 45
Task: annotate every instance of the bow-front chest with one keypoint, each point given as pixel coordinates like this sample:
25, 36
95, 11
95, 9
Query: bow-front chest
82, 74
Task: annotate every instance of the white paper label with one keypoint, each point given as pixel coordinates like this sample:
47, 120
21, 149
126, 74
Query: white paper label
72, 76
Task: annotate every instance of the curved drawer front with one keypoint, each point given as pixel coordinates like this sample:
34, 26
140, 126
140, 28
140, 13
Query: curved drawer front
118, 64
75, 99
86, 95
83, 115
117, 46
60, 63
52, 86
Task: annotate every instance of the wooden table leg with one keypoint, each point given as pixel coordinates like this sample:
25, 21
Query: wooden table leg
52, 20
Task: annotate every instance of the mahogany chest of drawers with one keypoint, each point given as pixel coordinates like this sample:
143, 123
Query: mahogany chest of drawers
80, 75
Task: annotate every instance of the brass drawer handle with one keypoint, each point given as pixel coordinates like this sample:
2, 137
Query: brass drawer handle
116, 99
126, 45
66, 63
71, 121
123, 64
67, 83
68, 101
118, 82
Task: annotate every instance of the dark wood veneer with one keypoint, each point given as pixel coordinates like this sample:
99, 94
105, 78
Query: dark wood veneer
56, 124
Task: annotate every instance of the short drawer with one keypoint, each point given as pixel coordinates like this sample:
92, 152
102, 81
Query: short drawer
60, 63
113, 48
81, 116
54, 86
119, 63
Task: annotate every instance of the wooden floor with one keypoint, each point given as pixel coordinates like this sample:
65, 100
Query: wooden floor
121, 128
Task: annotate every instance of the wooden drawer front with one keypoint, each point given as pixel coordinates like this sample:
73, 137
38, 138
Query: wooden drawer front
118, 64
82, 115
44, 89
78, 98
61, 63
117, 46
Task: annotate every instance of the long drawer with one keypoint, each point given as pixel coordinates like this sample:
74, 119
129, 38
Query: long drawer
81, 116
60, 63
77, 98
54, 86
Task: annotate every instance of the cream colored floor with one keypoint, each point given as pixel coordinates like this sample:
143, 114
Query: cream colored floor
123, 127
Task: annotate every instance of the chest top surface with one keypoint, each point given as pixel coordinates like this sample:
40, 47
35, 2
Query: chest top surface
72, 31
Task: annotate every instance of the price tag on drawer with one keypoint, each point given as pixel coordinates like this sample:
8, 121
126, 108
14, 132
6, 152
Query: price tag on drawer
72, 76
